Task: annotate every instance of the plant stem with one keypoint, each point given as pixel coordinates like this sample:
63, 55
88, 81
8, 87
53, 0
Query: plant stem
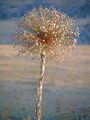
40, 88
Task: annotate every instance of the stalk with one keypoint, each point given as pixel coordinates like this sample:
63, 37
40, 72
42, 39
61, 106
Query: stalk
40, 88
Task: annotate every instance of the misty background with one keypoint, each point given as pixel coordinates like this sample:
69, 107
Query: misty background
11, 10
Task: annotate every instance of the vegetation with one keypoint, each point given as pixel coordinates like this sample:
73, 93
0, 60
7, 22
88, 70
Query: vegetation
83, 114
49, 33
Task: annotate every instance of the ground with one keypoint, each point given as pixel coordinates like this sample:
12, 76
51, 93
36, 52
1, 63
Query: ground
67, 81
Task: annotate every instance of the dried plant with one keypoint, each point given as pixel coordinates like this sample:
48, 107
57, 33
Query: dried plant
58, 104
28, 118
48, 32
6, 116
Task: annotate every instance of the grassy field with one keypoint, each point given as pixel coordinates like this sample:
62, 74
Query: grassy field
74, 69
66, 84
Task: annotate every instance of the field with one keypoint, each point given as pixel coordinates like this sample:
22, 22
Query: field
66, 84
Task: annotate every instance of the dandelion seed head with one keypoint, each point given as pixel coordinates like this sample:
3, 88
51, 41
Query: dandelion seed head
48, 30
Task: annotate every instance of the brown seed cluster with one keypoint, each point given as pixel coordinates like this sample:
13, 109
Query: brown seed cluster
46, 30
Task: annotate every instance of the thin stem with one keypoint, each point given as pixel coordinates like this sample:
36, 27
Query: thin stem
40, 88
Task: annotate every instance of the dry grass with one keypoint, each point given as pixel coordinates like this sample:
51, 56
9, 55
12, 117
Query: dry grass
76, 66
83, 114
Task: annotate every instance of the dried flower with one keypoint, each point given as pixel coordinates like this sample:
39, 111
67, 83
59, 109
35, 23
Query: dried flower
47, 30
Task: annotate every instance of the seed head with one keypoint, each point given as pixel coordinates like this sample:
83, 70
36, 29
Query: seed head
46, 30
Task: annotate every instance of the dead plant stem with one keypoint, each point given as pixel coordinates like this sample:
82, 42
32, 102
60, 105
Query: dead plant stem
40, 88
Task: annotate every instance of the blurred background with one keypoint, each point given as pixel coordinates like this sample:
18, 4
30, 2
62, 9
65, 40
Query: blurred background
10, 10
67, 84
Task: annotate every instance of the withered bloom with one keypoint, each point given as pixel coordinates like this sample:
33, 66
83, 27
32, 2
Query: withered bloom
48, 32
